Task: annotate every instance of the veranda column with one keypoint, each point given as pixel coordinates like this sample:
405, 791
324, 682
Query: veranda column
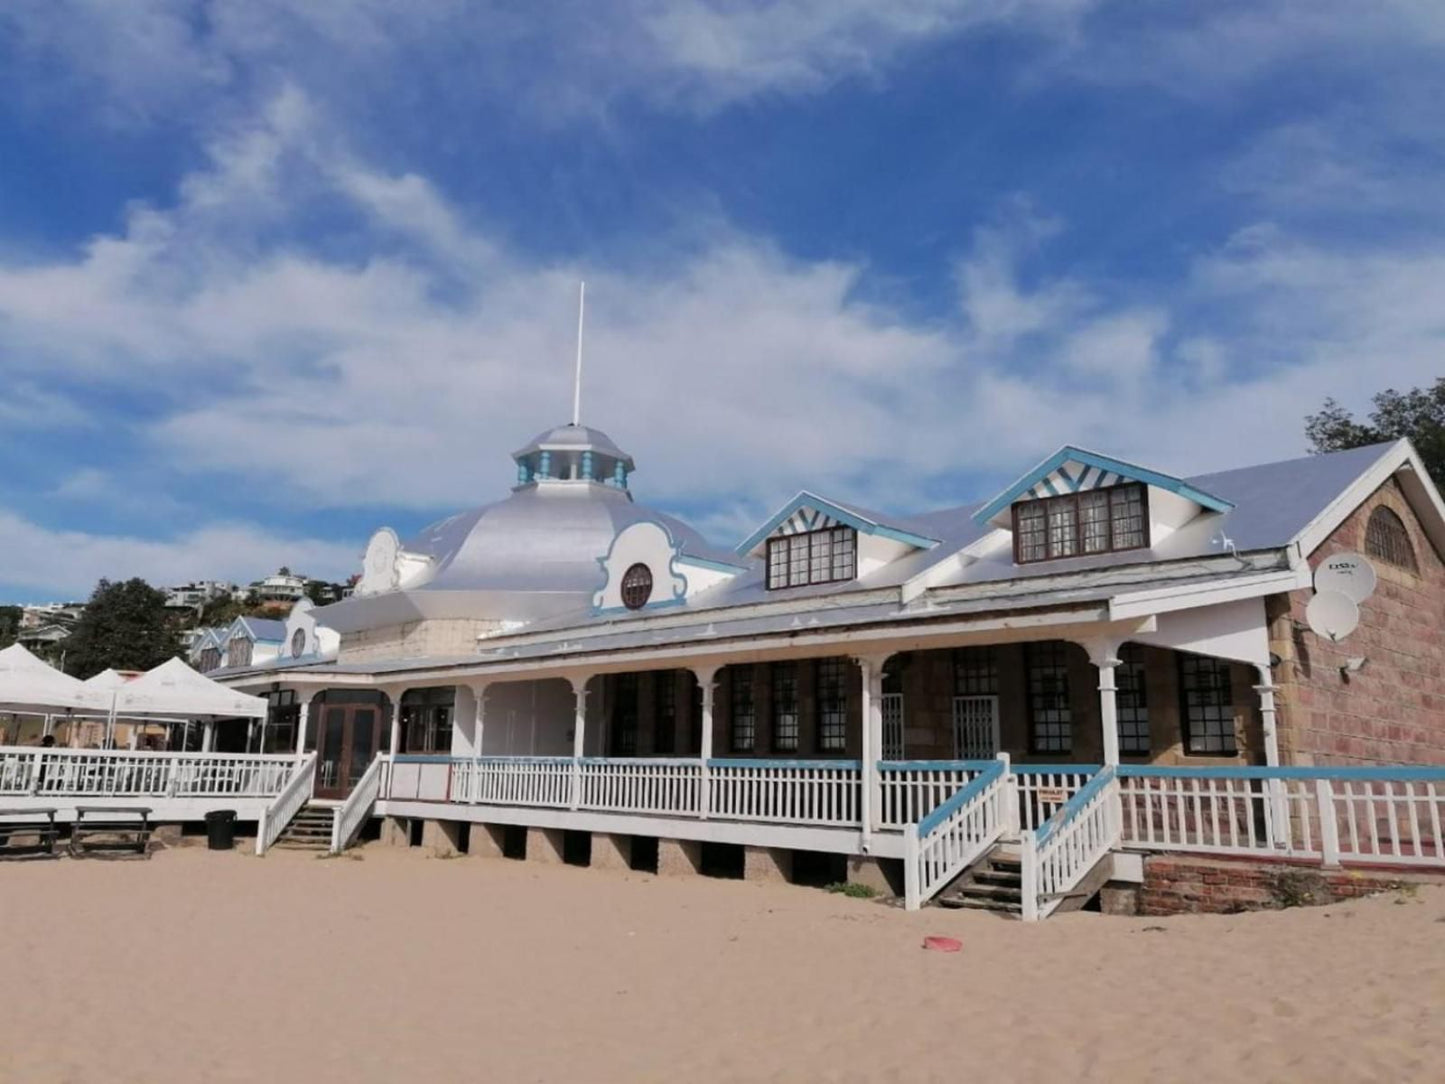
579, 732
1104, 654
303, 718
479, 695
870, 796
1279, 808
706, 679
208, 736
394, 743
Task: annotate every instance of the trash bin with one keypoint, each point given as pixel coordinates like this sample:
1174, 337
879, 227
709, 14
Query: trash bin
221, 829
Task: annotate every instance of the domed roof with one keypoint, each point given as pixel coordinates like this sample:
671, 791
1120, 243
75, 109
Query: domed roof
574, 438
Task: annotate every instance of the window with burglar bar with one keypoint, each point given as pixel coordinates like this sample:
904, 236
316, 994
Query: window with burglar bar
832, 702
744, 709
1051, 718
1207, 706
785, 707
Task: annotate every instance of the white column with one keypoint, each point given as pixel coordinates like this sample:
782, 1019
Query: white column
706, 679
579, 734
1104, 654
870, 798
1279, 807
303, 717
479, 694
250, 736
208, 736
394, 746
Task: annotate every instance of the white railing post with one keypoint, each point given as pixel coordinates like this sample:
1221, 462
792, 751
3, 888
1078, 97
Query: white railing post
1028, 879
173, 777
36, 772
579, 729
912, 887
1329, 827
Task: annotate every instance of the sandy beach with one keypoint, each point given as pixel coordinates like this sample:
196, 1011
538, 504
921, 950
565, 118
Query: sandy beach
392, 965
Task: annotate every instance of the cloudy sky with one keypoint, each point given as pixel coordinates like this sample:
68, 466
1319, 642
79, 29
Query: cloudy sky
273, 274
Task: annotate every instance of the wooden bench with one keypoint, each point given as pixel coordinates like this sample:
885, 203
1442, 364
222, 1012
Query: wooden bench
109, 828
37, 823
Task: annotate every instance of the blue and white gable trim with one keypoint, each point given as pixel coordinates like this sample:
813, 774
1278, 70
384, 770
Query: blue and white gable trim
1075, 470
809, 512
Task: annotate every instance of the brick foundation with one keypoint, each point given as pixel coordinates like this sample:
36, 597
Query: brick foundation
440, 838
611, 851
1176, 886
545, 845
395, 832
487, 840
678, 858
770, 864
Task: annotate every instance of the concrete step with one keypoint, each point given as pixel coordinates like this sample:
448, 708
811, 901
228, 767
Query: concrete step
989, 892
969, 903
991, 876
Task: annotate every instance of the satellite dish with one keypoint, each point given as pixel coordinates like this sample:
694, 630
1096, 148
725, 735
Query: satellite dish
1349, 574
1332, 614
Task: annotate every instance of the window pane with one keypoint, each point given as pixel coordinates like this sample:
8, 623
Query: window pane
797, 560
1094, 520
785, 707
778, 563
744, 712
1204, 687
832, 706
1063, 540
1032, 532
845, 541
624, 717
975, 672
820, 565
1133, 702
1050, 716
1127, 510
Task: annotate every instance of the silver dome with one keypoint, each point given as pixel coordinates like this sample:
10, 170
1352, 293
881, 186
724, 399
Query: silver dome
542, 538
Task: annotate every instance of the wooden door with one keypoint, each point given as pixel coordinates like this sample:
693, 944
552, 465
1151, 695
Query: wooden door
347, 742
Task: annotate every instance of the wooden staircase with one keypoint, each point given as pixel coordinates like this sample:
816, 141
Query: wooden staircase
994, 883
309, 830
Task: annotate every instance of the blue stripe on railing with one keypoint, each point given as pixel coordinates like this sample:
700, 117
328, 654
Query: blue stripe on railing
515, 760
1150, 771
1055, 769
1073, 807
661, 762
934, 765
965, 795
424, 758
743, 762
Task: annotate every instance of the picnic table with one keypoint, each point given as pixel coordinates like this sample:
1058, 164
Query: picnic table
39, 823
110, 827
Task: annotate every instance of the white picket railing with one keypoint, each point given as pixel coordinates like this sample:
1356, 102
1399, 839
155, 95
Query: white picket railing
1044, 789
672, 787
911, 789
1062, 851
347, 818
816, 792
535, 781
1389, 816
956, 834
120, 773
293, 796
426, 778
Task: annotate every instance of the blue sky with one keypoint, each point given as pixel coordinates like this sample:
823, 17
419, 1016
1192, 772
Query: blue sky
275, 274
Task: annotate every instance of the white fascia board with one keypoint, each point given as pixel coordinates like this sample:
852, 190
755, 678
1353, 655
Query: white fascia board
1416, 482
1190, 596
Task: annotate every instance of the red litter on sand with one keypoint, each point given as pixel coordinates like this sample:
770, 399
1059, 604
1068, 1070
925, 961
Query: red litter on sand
942, 944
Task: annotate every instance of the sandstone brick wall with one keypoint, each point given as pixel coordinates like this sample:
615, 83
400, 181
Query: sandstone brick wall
1393, 711
1175, 886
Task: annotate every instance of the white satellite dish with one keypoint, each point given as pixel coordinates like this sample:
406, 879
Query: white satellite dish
1332, 615
1349, 574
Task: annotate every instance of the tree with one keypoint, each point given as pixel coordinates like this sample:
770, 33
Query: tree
10, 624
1417, 414
125, 626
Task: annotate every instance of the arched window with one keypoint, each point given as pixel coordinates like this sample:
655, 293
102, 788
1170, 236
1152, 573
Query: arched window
1387, 539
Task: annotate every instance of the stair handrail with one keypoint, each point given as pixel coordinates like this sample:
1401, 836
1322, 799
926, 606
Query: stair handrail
351, 814
1059, 854
284, 807
955, 834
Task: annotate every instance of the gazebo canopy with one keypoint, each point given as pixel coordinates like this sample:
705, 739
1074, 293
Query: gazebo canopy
32, 686
106, 680
174, 690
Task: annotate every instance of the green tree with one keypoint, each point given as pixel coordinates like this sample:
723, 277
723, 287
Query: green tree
1417, 414
125, 626
10, 624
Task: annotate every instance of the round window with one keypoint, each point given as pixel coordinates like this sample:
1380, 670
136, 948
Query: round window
636, 587
298, 643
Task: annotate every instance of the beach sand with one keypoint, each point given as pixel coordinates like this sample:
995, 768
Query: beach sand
395, 966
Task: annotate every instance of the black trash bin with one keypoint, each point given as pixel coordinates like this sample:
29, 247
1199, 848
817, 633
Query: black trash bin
221, 829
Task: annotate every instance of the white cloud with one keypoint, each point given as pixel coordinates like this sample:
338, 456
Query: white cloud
70, 562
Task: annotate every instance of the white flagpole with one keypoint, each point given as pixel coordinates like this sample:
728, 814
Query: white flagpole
577, 383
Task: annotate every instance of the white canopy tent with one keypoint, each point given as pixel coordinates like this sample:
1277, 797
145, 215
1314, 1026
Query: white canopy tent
174, 691
31, 686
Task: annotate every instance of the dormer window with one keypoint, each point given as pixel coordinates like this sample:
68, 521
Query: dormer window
1079, 524
826, 556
